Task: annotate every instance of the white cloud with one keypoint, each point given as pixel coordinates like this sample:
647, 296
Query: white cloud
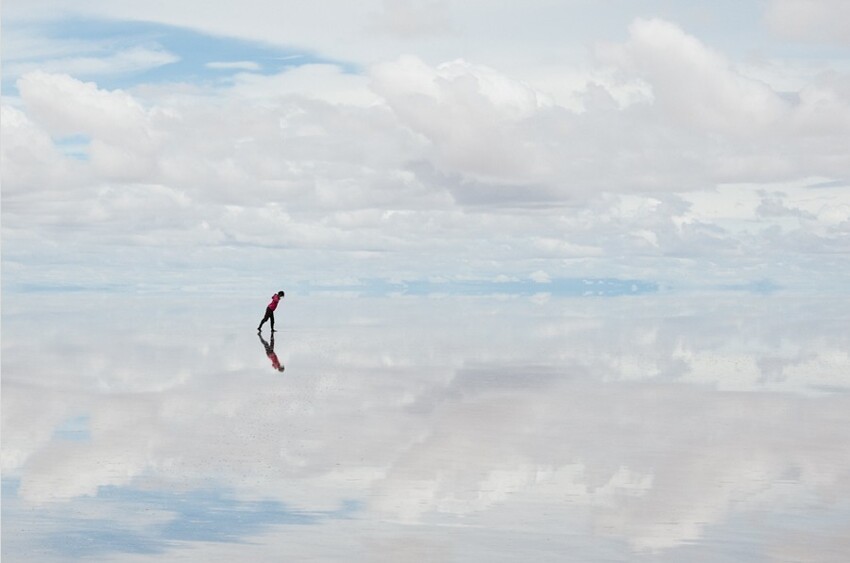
67, 106
324, 82
27, 49
233, 65
540, 277
471, 115
127, 61
31, 163
122, 143
472, 166
695, 85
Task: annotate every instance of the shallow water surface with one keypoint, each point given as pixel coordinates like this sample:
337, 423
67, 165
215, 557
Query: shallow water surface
657, 428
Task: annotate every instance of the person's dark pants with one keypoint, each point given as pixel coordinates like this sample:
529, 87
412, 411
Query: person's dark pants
269, 317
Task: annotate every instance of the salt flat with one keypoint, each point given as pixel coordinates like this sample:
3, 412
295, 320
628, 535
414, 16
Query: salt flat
662, 427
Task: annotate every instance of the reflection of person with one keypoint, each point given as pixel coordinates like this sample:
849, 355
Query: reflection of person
269, 347
270, 311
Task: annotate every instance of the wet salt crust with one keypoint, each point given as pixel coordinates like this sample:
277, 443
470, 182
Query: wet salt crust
656, 428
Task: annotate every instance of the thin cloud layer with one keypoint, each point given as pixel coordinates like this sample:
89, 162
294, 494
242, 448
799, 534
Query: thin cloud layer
810, 20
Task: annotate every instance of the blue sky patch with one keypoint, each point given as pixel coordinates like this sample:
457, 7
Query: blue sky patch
149, 53
74, 429
74, 146
762, 287
210, 515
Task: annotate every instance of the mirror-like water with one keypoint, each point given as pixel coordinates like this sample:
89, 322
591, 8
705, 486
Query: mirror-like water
660, 428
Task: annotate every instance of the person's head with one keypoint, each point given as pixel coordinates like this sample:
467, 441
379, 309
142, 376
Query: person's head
280, 294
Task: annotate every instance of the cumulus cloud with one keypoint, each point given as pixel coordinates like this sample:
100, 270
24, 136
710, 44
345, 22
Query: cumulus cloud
695, 85
456, 160
489, 128
699, 92
121, 147
69, 106
472, 115
31, 162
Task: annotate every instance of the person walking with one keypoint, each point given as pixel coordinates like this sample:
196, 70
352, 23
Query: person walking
270, 311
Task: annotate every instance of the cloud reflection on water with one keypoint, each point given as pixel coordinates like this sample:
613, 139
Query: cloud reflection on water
618, 426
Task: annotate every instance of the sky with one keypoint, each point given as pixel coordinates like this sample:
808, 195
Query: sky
436, 144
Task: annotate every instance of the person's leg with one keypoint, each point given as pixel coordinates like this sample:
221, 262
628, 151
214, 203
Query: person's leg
265, 318
271, 319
